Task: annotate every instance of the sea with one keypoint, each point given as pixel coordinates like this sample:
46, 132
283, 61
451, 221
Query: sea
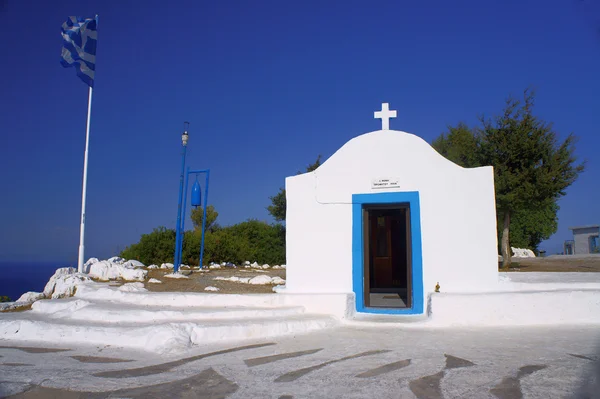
16, 278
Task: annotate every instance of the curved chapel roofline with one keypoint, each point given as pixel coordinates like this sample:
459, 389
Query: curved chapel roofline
394, 137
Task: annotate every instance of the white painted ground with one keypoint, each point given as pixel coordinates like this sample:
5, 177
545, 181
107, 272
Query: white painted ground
161, 322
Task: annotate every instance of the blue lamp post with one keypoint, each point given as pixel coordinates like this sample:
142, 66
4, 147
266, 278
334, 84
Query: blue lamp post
178, 234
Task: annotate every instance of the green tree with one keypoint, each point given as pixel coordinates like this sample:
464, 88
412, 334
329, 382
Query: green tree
278, 206
531, 170
529, 226
211, 218
459, 145
530, 166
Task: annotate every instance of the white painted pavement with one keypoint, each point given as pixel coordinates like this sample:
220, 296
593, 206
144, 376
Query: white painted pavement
348, 362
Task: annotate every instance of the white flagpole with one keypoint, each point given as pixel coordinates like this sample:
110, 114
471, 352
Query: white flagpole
85, 166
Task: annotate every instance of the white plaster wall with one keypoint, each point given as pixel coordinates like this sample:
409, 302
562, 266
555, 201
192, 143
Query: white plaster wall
458, 216
569, 306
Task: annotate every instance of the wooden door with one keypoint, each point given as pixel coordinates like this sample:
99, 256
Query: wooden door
381, 250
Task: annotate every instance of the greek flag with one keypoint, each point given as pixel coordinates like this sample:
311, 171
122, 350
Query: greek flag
79, 47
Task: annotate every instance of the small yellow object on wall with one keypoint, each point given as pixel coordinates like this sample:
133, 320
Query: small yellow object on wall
437, 287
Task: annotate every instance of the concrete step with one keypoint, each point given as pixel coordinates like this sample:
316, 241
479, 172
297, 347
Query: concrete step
159, 337
107, 312
177, 299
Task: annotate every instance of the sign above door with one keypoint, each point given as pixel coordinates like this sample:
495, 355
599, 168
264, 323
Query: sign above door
385, 183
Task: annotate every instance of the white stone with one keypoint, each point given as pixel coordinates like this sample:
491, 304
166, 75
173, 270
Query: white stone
30, 297
133, 287
116, 259
134, 263
154, 281
175, 275
106, 270
89, 262
260, 280
211, 288
167, 266
277, 280
64, 283
153, 267
214, 267
257, 280
522, 253
255, 265
265, 266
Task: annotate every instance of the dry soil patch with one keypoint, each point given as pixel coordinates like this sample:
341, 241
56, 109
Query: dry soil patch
199, 280
550, 264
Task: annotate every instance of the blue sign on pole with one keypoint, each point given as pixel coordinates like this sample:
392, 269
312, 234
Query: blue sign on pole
195, 200
196, 194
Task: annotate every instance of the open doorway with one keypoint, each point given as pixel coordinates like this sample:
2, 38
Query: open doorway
387, 253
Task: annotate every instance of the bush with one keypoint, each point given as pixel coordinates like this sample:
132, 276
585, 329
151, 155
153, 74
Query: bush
157, 247
252, 240
5, 299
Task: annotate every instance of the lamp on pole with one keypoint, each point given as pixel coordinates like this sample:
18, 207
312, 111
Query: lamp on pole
179, 233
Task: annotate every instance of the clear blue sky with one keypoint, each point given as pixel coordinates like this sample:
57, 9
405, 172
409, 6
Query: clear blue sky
267, 86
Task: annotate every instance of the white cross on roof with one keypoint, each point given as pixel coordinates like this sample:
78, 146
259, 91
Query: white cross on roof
385, 114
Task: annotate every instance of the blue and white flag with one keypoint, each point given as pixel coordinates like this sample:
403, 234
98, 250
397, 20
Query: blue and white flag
79, 47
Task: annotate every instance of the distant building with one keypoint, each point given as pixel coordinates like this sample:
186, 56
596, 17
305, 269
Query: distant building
585, 240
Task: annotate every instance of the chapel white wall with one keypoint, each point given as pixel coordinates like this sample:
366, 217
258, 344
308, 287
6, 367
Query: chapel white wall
458, 216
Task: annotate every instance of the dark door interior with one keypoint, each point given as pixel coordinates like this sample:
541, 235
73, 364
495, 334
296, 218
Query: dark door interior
387, 256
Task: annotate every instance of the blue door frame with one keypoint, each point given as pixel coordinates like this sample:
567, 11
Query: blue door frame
358, 201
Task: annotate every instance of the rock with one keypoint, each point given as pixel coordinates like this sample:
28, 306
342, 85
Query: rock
522, 253
175, 275
247, 263
167, 266
153, 267
255, 265
30, 297
90, 261
105, 271
260, 280
134, 263
185, 272
132, 287
154, 281
265, 266
211, 288
64, 283
277, 280
116, 259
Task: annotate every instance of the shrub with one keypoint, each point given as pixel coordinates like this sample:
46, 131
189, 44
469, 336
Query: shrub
157, 247
252, 240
